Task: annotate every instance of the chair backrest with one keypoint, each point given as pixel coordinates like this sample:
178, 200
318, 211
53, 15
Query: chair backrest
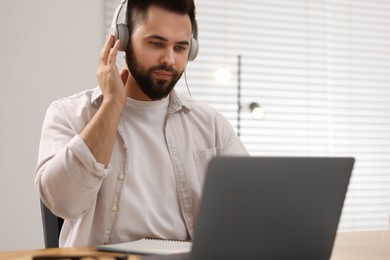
51, 227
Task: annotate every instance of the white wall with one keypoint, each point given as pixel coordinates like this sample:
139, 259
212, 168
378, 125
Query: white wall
48, 49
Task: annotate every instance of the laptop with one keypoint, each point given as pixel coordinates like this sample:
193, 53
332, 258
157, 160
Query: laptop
269, 208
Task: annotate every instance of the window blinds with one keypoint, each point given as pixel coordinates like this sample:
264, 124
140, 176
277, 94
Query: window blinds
320, 69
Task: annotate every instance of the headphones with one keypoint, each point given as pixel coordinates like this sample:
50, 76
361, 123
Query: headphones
121, 32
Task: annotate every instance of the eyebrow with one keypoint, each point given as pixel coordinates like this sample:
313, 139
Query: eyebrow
158, 37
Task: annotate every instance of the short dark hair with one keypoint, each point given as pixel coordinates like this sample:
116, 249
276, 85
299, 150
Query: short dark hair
137, 9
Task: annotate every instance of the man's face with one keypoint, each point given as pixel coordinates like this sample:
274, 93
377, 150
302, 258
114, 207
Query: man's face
158, 52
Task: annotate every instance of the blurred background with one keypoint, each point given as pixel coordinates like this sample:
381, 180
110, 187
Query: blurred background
319, 71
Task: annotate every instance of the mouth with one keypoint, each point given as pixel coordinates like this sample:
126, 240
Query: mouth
163, 74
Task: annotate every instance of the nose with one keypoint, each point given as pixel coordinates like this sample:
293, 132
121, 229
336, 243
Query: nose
168, 57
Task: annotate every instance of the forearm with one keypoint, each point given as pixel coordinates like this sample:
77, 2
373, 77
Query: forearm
100, 133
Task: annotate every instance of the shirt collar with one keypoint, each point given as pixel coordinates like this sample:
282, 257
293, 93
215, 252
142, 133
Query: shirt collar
97, 96
178, 101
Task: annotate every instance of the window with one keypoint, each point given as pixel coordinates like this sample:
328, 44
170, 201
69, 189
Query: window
320, 69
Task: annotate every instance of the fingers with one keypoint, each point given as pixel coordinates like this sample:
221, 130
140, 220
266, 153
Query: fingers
109, 50
111, 82
106, 49
113, 52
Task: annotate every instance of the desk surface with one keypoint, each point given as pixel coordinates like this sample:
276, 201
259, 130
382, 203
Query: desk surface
348, 246
362, 245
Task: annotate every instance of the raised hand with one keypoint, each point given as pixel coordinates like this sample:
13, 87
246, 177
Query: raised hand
111, 82
100, 132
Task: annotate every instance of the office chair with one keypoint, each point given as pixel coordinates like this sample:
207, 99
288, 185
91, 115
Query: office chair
51, 227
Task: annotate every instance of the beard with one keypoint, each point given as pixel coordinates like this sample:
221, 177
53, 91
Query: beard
155, 89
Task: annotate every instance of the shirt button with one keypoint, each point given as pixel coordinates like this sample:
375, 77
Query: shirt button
114, 208
124, 147
121, 177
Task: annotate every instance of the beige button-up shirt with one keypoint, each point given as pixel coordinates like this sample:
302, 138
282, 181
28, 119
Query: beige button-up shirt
86, 194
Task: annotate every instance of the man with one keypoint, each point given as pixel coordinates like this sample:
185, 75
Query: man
128, 159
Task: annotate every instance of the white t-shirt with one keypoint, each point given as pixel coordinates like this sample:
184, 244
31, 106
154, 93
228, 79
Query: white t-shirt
149, 192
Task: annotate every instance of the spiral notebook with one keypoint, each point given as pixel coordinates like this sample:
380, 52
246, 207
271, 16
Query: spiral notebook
149, 246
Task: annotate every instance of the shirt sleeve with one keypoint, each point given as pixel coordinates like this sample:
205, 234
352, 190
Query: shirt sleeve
68, 176
231, 143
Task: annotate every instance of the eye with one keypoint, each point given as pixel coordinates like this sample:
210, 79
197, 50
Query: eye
156, 44
180, 48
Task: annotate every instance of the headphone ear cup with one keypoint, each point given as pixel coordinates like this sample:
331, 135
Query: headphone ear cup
194, 49
123, 36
